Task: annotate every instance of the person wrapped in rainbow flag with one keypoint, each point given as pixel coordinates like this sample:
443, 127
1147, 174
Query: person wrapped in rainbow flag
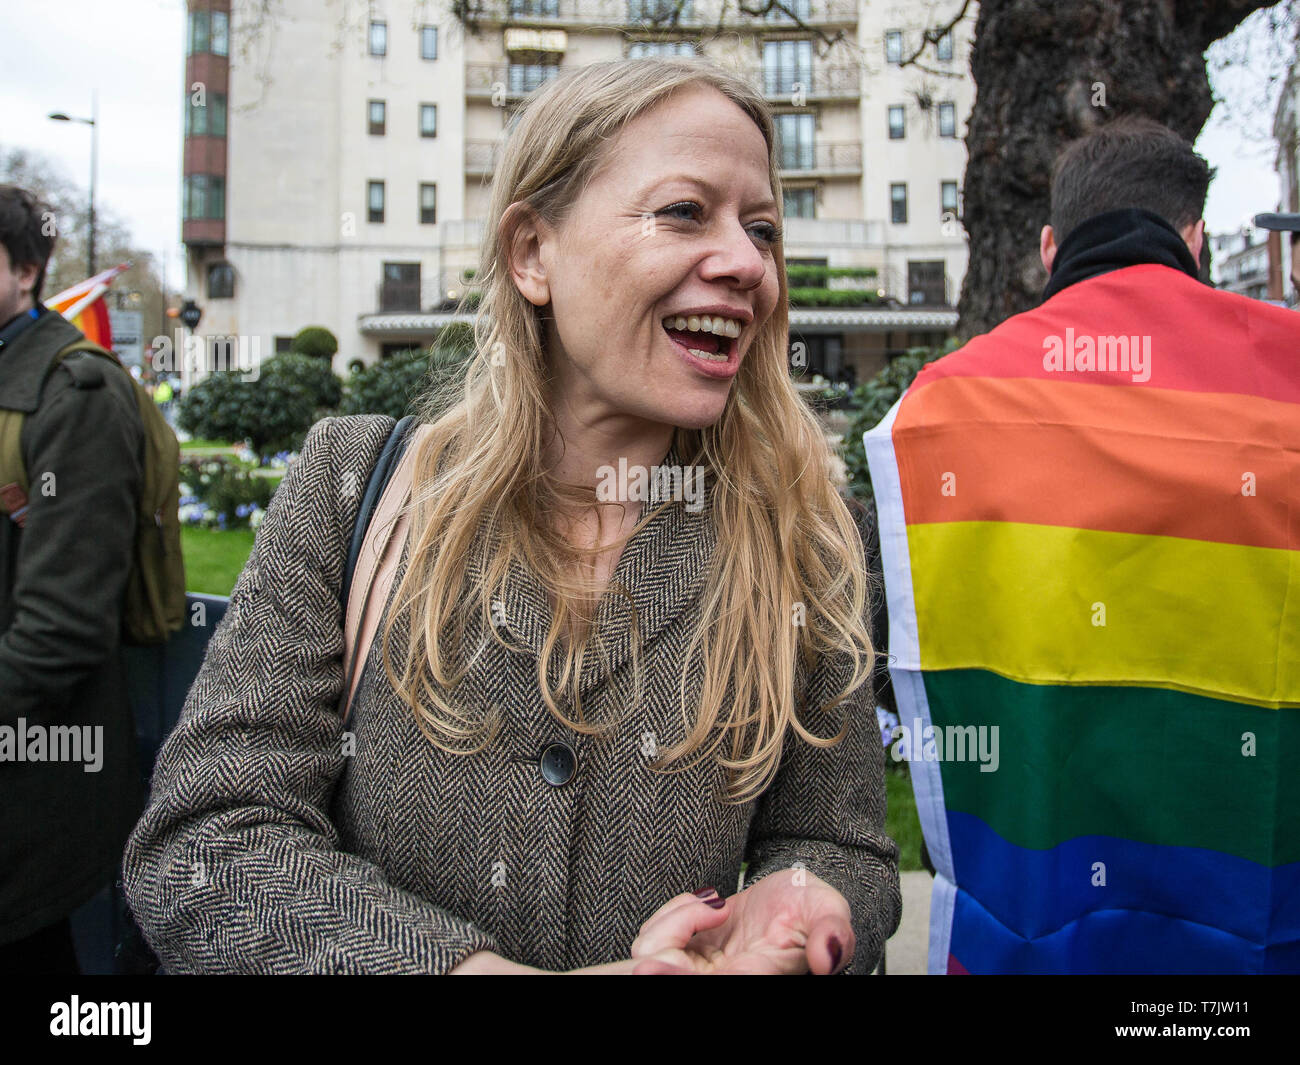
1090, 532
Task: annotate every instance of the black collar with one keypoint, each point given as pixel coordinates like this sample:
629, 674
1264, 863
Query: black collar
1116, 239
17, 325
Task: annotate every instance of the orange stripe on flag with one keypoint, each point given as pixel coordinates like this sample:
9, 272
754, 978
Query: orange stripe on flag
1202, 466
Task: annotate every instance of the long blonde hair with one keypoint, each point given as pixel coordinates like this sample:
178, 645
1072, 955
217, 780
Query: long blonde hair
786, 544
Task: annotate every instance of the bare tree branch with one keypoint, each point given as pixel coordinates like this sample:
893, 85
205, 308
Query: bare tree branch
935, 34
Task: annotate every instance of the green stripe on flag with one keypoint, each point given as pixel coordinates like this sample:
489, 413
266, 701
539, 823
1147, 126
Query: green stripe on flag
1145, 764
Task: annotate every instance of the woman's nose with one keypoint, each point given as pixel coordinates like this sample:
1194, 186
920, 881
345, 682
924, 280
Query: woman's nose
736, 257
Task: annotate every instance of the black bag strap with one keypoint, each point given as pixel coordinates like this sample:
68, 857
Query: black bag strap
379, 477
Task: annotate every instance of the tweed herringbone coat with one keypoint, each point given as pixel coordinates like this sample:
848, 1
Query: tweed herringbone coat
270, 845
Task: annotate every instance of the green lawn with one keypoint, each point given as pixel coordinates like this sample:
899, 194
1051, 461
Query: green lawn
214, 559
204, 445
901, 822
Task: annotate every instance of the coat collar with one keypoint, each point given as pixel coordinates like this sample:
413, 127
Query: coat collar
662, 568
25, 364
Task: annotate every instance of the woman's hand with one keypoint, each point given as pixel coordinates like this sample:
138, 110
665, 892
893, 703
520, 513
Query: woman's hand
789, 922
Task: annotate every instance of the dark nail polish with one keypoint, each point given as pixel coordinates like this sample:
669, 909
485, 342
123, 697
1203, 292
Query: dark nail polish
717, 904
837, 952
704, 892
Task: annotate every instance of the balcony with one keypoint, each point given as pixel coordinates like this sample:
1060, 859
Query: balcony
482, 80
833, 233
482, 157
656, 14
414, 309
812, 233
819, 83
824, 159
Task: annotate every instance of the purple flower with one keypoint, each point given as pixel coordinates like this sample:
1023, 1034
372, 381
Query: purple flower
887, 721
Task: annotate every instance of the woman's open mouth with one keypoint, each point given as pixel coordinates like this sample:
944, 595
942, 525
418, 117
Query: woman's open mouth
708, 342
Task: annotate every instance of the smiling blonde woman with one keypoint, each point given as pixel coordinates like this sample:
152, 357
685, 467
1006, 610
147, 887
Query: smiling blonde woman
581, 719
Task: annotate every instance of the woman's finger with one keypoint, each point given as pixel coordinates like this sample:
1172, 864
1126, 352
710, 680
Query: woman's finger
830, 945
687, 898
676, 921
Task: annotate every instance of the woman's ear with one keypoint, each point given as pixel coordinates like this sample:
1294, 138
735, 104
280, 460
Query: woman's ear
523, 233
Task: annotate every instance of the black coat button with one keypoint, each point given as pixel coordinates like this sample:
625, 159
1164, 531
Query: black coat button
558, 763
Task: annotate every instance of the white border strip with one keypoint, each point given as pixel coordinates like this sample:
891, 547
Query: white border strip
904, 648
909, 685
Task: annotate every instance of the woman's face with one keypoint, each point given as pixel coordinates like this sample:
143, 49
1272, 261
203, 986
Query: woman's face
663, 271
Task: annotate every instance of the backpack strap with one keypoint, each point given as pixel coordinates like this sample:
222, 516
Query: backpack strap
86, 373
373, 553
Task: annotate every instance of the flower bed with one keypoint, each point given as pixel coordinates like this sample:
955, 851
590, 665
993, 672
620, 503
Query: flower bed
219, 493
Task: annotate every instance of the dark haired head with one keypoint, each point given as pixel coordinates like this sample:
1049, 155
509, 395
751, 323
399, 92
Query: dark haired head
1129, 162
23, 231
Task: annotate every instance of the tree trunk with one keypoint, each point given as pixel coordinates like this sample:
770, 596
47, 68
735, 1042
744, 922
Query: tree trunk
1042, 71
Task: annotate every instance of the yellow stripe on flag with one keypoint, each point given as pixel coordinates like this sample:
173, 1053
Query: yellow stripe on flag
1047, 604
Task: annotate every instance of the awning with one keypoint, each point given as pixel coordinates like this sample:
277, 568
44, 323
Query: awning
807, 319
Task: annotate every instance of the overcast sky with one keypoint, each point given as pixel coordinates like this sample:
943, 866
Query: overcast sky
54, 55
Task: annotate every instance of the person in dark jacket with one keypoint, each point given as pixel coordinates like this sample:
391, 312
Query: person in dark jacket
69, 777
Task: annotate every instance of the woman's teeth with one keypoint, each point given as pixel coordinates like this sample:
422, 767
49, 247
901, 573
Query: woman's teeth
705, 323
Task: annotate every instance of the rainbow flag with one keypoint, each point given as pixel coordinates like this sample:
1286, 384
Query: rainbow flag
1103, 566
83, 305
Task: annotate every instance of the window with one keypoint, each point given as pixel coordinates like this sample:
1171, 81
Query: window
658, 10
898, 203
948, 198
796, 133
947, 120
378, 117
943, 46
379, 38
428, 120
799, 8
428, 204
428, 42
926, 283
894, 46
200, 32
375, 200
525, 77
824, 353
896, 122
206, 120
283, 344
401, 288
800, 203
205, 196
786, 64
221, 281
220, 33
535, 8
642, 49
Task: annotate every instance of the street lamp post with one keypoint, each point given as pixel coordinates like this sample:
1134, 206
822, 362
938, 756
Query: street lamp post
59, 116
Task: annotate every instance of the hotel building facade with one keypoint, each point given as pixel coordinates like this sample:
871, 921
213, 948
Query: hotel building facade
338, 155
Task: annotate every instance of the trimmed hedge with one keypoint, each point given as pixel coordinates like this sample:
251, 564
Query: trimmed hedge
828, 297
316, 341
273, 413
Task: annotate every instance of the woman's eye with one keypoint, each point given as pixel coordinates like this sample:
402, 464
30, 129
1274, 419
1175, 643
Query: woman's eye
766, 232
693, 208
